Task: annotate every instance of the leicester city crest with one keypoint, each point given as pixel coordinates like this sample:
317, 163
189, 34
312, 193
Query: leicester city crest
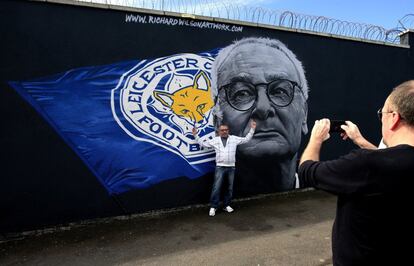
161, 100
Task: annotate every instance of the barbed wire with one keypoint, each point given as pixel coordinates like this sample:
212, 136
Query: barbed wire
236, 11
407, 22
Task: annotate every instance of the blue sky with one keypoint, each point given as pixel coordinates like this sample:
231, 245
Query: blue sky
380, 12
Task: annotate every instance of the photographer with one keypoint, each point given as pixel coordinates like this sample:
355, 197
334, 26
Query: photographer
373, 185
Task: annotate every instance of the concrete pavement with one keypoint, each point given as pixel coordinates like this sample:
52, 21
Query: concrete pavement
277, 229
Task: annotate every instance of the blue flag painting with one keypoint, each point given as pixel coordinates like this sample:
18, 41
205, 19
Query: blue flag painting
131, 122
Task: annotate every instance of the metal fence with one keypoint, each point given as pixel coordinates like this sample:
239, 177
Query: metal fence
235, 10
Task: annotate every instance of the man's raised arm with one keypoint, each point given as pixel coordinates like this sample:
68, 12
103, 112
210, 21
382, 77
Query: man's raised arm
205, 144
249, 135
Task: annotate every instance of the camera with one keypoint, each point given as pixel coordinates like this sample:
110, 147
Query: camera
336, 126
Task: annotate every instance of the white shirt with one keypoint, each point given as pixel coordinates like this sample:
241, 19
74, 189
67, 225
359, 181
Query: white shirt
382, 145
225, 156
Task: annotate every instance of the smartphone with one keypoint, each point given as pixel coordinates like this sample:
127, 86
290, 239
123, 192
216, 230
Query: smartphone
336, 126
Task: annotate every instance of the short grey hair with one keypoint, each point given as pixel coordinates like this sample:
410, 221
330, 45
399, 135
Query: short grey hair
402, 97
226, 53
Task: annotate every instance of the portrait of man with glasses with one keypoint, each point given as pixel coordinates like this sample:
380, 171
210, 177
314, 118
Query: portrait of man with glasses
261, 79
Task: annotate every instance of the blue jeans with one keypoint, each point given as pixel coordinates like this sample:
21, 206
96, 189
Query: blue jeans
219, 174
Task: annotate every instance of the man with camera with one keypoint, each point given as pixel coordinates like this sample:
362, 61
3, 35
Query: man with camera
372, 185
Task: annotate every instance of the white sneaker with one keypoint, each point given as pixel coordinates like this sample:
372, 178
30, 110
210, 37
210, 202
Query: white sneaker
228, 209
212, 212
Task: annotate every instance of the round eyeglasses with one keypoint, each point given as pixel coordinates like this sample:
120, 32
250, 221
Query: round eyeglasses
242, 95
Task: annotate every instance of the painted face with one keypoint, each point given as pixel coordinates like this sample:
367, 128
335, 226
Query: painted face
278, 131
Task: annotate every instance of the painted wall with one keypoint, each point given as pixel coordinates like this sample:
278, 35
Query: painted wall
47, 178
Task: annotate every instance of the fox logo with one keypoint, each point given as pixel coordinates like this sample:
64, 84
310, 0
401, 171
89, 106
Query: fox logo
190, 103
161, 100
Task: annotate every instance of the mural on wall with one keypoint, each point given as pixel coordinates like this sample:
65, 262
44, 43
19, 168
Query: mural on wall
115, 135
131, 122
262, 79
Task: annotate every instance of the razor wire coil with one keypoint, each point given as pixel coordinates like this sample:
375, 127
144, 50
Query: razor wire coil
257, 15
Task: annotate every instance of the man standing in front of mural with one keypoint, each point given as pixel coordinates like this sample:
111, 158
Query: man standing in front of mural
373, 186
261, 79
225, 146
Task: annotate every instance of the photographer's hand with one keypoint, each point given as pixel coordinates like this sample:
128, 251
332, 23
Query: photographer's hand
320, 133
352, 132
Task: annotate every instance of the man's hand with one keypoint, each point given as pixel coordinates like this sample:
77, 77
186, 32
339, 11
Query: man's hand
253, 124
352, 132
320, 131
194, 131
